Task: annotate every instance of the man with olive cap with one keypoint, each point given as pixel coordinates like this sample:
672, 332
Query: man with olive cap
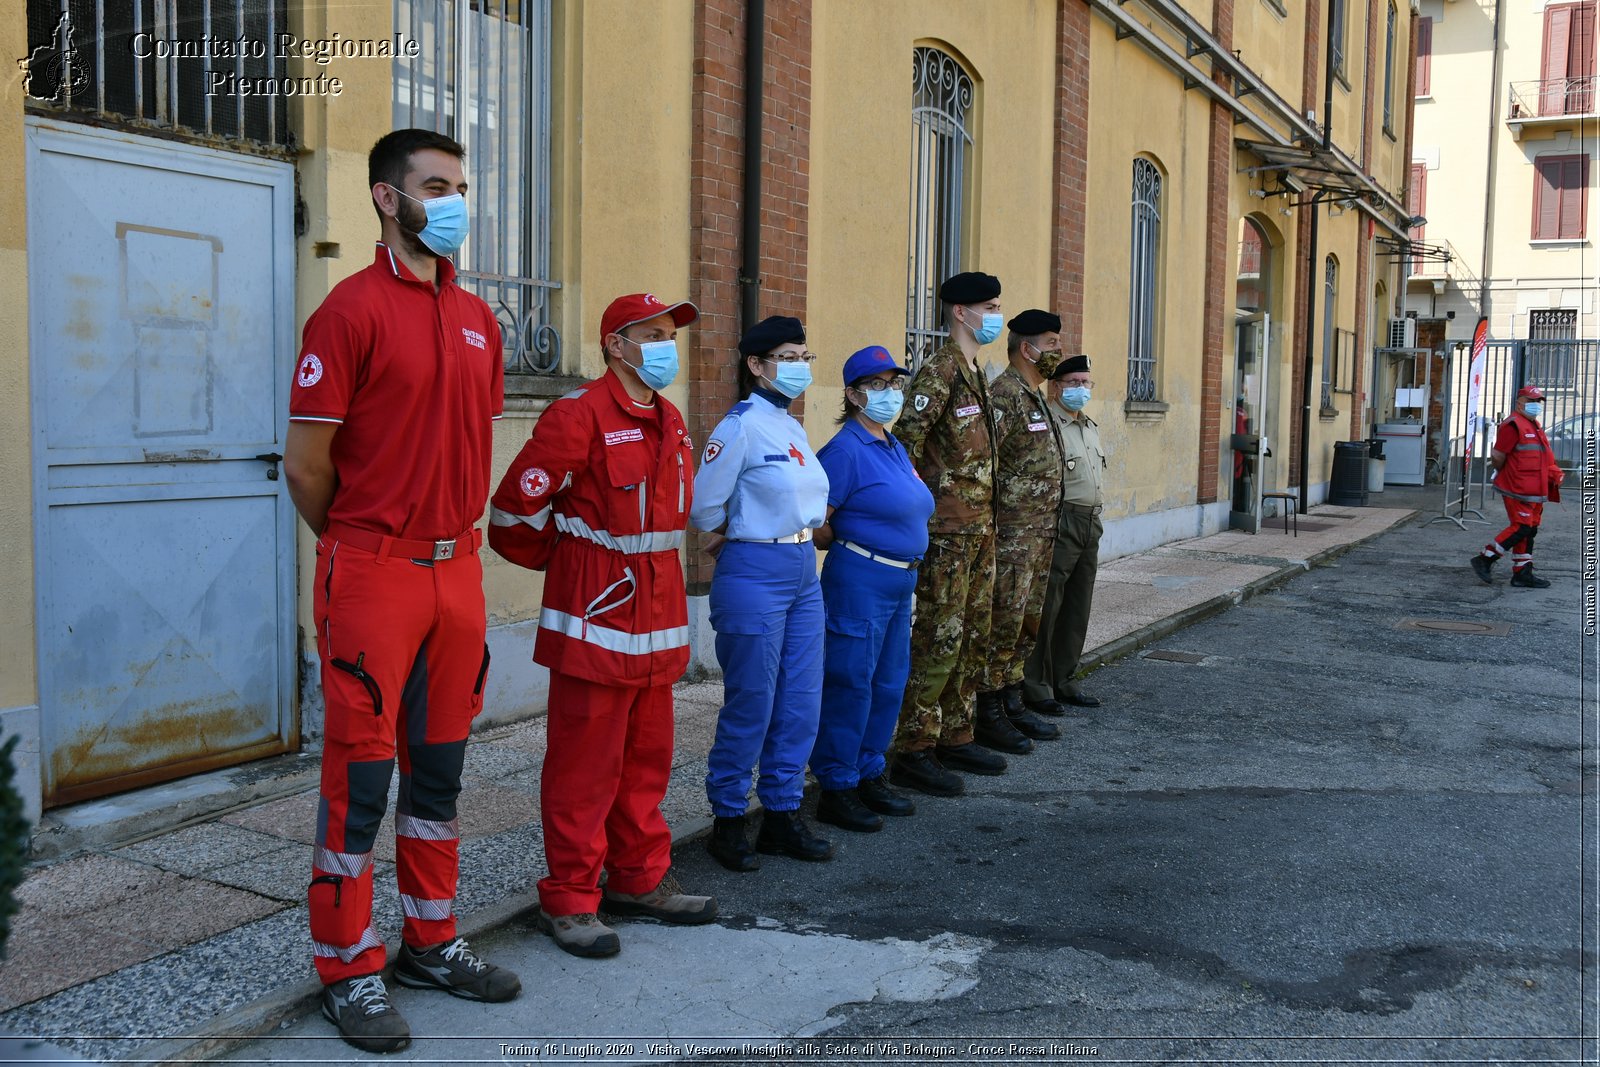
598, 498
1027, 499
947, 428
1047, 678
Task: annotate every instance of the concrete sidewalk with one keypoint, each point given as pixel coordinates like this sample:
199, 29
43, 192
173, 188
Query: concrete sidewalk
195, 933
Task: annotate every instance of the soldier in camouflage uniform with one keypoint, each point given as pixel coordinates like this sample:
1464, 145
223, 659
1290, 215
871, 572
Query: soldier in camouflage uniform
1030, 457
947, 429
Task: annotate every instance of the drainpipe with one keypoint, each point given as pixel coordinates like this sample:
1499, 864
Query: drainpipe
755, 24
1486, 263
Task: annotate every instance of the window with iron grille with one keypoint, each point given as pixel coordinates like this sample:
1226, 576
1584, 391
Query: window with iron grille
1144, 281
482, 76
1330, 296
1550, 358
941, 140
208, 70
1336, 21
1388, 71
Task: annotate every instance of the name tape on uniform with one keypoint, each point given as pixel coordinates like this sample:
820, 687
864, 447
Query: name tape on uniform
618, 437
970, 409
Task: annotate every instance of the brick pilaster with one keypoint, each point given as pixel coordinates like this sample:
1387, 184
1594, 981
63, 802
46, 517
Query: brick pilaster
1221, 236
1071, 169
716, 213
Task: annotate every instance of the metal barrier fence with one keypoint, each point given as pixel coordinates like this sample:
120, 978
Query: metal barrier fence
1567, 371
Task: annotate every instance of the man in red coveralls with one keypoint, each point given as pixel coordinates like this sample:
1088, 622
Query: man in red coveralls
387, 458
600, 496
1526, 475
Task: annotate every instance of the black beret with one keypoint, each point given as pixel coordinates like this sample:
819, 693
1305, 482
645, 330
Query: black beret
769, 333
969, 287
1033, 322
1072, 365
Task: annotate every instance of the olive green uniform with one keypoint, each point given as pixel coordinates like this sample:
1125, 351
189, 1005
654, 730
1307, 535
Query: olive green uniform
947, 429
1030, 459
1073, 563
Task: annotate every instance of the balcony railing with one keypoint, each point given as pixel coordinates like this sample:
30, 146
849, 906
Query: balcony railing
1552, 98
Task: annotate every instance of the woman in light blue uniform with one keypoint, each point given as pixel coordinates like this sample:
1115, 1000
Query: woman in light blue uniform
877, 531
762, 488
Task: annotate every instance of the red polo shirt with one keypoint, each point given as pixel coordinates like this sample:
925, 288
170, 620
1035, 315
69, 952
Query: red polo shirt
414, 378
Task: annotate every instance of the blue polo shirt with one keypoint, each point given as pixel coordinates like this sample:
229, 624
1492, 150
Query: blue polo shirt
880, 503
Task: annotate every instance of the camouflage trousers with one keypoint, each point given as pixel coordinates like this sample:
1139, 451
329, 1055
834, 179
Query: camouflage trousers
1021, 575
949, 641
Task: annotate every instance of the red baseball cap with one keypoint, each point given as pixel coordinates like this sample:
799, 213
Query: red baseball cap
1530, 392
627, 311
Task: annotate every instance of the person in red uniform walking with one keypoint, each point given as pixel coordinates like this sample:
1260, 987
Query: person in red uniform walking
1526, 475
387, 458
598, 498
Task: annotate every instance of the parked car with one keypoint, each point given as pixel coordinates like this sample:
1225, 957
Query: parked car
1575, 439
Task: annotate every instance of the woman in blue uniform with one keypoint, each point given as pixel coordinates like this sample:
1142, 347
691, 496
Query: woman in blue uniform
877, 531
761, 487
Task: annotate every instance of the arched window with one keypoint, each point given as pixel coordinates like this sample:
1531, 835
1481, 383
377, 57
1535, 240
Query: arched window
1330, 293
1252, 287
941, 137
1144, 277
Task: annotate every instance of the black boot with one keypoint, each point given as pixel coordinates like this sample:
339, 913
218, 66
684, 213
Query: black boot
784, 833
993, 730
877, 796
729, 846
1049, 706
921, 771
1526, 579
843, 808
1027, 723
972, 758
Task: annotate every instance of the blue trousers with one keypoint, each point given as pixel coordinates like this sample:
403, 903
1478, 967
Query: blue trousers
867, 662
766, 606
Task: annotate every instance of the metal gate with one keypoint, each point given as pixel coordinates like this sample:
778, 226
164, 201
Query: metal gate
161, 333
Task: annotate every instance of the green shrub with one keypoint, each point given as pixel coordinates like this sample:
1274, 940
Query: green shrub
13, 840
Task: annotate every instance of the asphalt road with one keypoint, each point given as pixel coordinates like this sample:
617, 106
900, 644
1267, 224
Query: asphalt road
1332, 839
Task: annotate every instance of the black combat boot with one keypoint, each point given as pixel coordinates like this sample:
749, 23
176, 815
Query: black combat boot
729, 846
785, 833
877, 796
1027, 723
993, 730
920, 770
843, 808
972, 758
1526, 579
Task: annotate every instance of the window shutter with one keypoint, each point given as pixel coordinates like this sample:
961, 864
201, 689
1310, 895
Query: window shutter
1574, 183
1424, 56
1547, 198
1580, 62
1553, 65
1417, 198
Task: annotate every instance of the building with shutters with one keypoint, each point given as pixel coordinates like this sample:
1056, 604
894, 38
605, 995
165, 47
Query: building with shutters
1504, 168
1203, 189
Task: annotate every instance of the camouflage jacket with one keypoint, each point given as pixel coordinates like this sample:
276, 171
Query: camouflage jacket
1029, 454
948, 431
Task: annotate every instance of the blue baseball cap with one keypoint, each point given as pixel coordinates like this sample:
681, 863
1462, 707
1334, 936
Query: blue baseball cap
874, 359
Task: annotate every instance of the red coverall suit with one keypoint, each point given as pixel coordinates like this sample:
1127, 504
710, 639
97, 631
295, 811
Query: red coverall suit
600, 496
1529, 477
413, 377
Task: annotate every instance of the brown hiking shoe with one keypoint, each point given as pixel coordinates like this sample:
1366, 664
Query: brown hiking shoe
582, 935
360, 1008
666, 903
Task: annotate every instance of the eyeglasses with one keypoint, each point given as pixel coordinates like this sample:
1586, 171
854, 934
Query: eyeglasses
793, 357
878, 385
1070, 385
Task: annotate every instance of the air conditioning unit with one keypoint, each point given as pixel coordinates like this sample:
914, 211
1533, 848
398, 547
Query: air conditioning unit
1402, 333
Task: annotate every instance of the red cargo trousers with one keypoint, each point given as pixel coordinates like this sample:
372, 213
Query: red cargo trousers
403, 669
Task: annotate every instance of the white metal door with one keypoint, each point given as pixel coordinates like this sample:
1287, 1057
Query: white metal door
161, 333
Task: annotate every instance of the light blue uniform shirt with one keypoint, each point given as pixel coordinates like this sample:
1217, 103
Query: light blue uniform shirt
759, 475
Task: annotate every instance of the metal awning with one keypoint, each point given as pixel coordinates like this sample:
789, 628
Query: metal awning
1328, 171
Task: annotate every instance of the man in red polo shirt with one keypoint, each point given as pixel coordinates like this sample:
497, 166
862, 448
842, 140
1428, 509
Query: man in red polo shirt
599, 497
387, 458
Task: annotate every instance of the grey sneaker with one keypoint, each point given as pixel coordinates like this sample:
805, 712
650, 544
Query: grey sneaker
360, 1008
666, 903
457, 970
582, 935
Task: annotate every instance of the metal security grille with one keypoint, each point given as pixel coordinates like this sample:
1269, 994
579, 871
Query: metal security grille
1143, 288
483, 77
1330, 300
941, 97
209, 69
1553, 324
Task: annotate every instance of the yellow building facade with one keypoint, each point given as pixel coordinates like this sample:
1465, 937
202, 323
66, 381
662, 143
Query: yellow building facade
1120, 163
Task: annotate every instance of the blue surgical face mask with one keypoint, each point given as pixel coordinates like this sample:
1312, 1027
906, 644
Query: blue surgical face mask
992, 324
1074, 397
1533, 408
448, 222
659, 362
791, 379
883, 407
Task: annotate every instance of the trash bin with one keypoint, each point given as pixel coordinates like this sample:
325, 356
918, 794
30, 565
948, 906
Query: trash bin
1348, 486
1376, 465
